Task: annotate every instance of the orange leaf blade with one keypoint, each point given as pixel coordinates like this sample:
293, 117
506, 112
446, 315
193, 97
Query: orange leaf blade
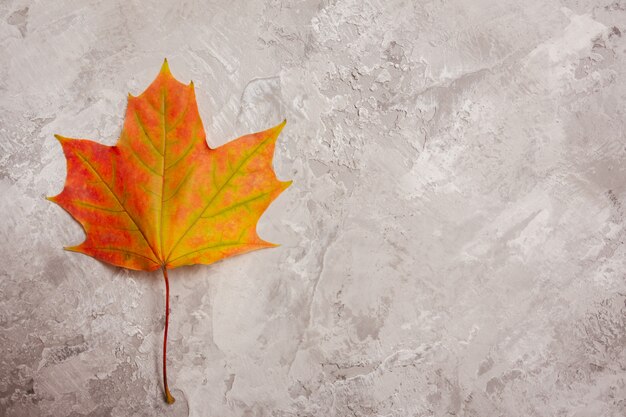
161, 196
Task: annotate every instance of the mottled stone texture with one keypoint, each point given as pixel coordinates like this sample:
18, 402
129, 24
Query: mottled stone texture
453, 242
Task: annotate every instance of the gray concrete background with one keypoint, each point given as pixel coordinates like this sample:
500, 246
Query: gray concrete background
453, 242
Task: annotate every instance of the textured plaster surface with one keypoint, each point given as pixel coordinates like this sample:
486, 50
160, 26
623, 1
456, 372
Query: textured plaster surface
453, 242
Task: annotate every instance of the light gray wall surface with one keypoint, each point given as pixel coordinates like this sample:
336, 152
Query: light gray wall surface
452, 244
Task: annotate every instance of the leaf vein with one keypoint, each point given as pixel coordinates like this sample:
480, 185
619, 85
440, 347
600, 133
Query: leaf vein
206, 248
180, 185
144, 163
193, 223
164, 131
125, 251
189, 148
86, 161
93, 206
182, 117
234, 206
145, 133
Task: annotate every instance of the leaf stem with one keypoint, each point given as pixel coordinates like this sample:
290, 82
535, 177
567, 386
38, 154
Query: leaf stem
168, 397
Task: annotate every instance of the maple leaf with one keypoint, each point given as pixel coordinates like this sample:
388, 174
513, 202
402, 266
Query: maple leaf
161, 197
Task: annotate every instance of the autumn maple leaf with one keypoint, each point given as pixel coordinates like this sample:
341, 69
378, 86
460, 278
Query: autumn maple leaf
161, 198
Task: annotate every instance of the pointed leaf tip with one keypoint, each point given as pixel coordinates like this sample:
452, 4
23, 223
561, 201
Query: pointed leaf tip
61, 139
278, 128
165, 68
